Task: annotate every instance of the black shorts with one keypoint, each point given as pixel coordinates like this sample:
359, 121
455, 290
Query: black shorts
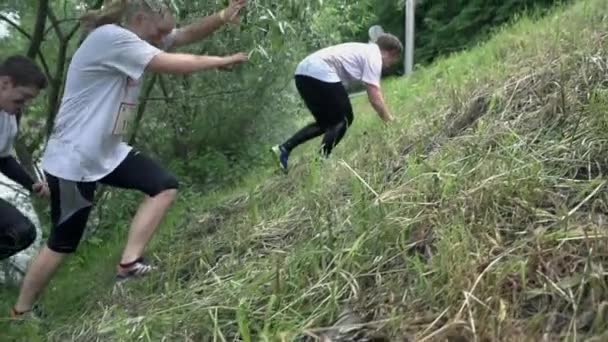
71, 202
17, 232
328, 102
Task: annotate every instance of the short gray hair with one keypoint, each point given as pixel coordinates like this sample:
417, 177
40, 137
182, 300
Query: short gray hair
390, 43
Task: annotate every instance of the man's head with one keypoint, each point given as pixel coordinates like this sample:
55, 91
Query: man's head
151, 20
391, 49
20, 81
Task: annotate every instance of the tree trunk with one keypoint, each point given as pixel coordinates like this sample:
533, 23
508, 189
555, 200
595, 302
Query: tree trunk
37, 37
23, 153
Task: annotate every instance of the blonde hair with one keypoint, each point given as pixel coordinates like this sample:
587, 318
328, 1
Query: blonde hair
117, 11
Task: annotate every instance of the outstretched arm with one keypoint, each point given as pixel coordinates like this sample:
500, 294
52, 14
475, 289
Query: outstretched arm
376, 99
181, 63
209, 24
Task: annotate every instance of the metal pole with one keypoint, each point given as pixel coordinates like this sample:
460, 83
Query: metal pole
409, 36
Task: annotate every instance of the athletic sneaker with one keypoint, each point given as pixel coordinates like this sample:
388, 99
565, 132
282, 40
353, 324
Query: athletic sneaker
283, 156
133, 269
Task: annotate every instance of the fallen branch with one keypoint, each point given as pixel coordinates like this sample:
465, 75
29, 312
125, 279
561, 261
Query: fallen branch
575, 209
360, 178
494, 262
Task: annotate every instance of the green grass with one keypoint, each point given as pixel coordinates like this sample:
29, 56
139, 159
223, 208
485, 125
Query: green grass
479, 216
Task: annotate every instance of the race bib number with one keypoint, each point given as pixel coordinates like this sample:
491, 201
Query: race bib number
123, 118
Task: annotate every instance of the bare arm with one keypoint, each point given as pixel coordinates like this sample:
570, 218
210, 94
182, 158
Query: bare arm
181, 63
376, 99
209, 24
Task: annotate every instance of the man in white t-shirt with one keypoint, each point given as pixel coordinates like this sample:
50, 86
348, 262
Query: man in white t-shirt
322, 79
86, 146
20, 81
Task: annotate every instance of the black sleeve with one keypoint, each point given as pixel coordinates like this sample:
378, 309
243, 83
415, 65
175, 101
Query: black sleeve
13, 170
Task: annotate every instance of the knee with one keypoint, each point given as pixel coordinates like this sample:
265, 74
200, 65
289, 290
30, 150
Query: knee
168, 195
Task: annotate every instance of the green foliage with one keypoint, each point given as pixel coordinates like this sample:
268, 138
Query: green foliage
216, 124
205, 125
444, 27
339, 20
213, 127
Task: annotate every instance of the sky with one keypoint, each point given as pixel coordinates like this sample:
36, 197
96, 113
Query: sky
3, 30
4, 26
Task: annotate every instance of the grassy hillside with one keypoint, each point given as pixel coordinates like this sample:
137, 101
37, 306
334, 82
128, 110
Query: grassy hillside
479, 216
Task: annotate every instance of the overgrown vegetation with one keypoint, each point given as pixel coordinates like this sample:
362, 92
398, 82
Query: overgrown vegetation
205, 125
480, 215
444, 27
192, 122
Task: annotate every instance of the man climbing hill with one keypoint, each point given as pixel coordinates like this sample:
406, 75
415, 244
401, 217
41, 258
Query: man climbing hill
321, 79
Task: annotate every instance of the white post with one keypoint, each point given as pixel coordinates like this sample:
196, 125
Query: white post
409, 35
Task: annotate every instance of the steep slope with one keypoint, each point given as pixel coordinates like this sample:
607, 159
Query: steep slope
480, 215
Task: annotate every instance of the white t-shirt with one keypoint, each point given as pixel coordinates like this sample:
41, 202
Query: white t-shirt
102, 88
346, 63
8, 133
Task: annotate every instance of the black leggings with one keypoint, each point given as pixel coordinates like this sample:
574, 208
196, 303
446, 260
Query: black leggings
17, 232
71, 202
331, 108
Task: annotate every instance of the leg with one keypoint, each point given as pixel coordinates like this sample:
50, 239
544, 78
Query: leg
309, 132
312, 92
343, 112
317, 97
38, 275
70, 209
17, 232
141, 173
333, 137
144, 224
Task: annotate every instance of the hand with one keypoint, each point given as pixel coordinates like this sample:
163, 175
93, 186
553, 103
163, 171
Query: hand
41, 189
231, 13
238, 58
